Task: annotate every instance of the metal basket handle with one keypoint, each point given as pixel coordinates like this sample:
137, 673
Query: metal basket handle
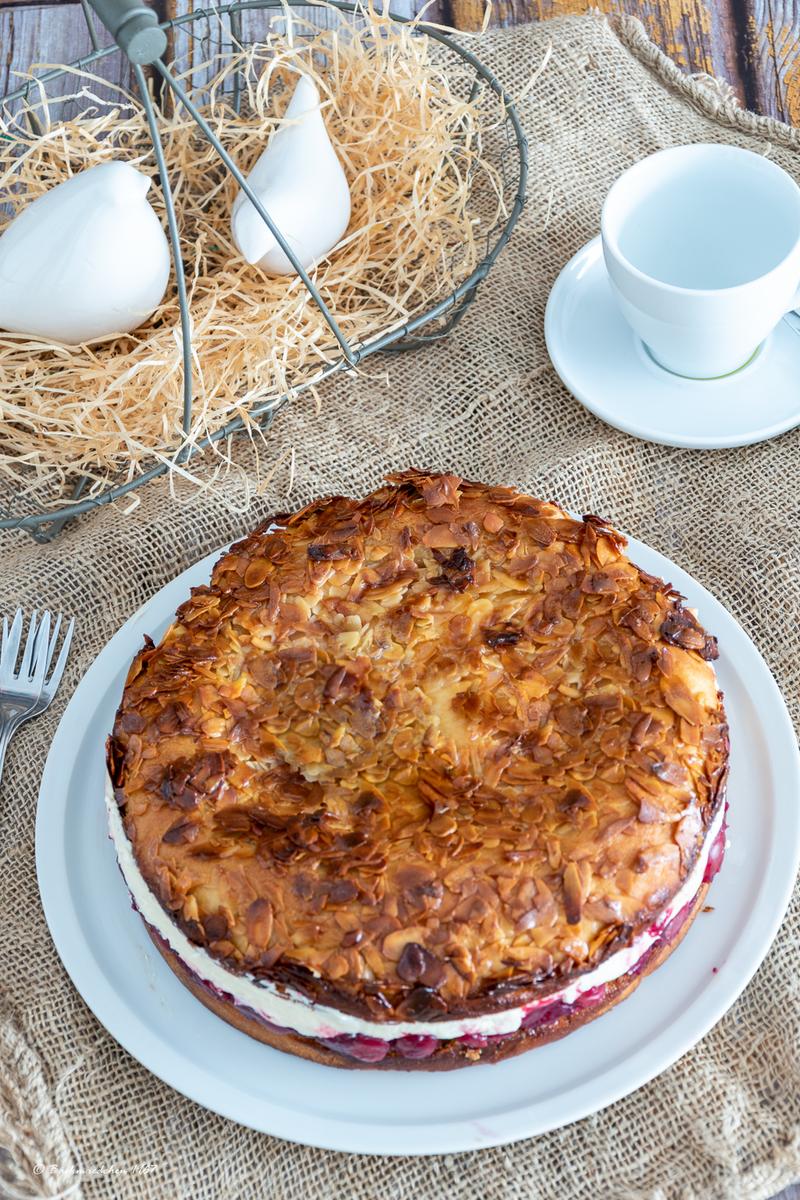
134, 28
136, 31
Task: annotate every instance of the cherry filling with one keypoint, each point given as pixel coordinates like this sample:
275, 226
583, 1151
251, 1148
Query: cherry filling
416, 1045
251, 1012
369, 1049
716, 854
546, 1014
474, 1041
639, 967
365, 1049
590, 998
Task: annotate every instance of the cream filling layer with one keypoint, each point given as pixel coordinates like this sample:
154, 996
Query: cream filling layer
295, 1011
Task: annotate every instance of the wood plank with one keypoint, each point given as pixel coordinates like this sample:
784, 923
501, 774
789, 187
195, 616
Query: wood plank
771, 49
754, 44
33, 34
700, 35
51, 35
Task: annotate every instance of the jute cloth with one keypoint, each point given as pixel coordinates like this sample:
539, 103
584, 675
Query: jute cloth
723, 1122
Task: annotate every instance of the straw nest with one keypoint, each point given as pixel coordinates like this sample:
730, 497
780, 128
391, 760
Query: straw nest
426, 192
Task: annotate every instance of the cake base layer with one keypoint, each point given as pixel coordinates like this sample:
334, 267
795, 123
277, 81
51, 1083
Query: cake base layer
451, 1054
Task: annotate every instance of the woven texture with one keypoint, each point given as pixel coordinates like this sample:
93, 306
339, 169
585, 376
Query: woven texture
723, 1122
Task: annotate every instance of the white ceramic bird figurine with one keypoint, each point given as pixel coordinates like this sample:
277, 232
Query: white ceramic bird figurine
87, 259
301, 184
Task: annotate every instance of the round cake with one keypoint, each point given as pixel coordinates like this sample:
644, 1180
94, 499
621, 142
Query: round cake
423, 779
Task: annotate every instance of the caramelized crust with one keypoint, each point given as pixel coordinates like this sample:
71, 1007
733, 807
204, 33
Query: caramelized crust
427, 754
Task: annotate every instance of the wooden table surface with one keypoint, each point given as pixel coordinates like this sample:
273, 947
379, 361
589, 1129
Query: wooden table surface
753, 44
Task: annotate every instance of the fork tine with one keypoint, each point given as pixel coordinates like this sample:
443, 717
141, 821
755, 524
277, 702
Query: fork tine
51, 649
26, 668
58, 670
42, 643
10, 646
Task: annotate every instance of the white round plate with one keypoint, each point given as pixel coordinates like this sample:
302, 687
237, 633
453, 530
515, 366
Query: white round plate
114, 966
606, 366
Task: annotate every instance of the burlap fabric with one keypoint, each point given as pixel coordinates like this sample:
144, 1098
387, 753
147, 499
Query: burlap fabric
725, 1121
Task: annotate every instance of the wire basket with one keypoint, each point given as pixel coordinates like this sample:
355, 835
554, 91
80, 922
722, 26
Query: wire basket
138, 35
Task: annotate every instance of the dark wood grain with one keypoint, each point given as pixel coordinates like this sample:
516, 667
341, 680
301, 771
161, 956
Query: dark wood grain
771, 52
33, 36
753, 44
728, 38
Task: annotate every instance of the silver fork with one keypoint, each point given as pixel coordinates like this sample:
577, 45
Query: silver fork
27, 690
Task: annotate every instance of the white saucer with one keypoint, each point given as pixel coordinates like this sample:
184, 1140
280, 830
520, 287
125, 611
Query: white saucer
606, 366
122, 977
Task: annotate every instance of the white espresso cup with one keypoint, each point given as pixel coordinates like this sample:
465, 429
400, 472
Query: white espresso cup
702, 246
